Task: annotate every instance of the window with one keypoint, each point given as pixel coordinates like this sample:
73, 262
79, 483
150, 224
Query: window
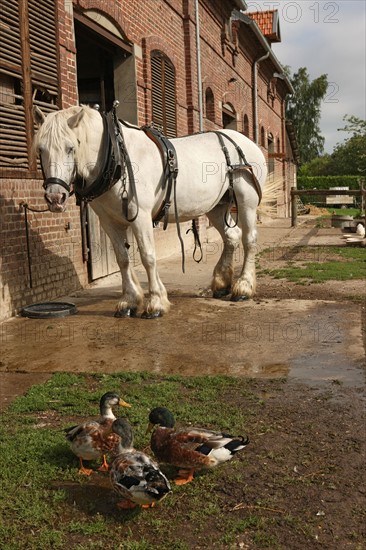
210, 104
246, 126
28, 76
271, 151
228, 116
263, 137
164, 111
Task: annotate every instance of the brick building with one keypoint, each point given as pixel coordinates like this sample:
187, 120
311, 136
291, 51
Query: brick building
162, 67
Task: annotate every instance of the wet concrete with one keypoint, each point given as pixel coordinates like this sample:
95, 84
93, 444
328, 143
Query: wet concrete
301, 339
313, 341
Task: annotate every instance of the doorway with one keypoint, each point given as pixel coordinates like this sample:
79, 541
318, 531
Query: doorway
105, 72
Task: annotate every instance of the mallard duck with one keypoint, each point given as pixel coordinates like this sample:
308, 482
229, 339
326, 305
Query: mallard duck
93, 439
190, 448
134, 475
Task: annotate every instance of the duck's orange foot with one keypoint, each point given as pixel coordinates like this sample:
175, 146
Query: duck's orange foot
148, 505
104, 467
85, 471
185, 476
126, 504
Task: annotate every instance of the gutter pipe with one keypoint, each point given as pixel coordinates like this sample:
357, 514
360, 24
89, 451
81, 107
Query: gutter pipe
199, 74
239, 16
255, 96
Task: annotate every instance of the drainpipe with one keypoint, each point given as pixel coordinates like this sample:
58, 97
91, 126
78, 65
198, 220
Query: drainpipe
199, 77
255, 96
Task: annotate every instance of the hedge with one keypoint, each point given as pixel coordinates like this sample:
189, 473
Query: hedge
325, 182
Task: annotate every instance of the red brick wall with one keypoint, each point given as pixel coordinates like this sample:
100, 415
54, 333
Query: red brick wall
55, 254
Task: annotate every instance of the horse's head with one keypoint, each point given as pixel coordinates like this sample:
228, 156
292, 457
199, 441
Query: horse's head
58, 144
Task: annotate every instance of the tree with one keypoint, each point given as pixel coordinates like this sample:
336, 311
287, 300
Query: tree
303, 108
350, 157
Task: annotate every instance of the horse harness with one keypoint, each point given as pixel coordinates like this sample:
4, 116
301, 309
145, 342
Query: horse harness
117, 166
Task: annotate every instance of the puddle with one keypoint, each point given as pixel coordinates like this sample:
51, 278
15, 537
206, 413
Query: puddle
315, 371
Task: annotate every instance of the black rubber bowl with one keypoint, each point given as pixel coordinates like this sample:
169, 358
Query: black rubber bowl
48, 310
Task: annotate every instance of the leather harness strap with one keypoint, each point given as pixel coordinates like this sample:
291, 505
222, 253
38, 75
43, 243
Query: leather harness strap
170, 173
170, 170
244, 164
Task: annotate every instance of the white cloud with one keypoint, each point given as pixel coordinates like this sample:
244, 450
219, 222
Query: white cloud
326, 38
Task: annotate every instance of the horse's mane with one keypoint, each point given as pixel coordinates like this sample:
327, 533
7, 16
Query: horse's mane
55, 129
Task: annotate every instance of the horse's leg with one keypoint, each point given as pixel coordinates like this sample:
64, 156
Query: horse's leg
245, 286
132, 293
223, 271
157, 302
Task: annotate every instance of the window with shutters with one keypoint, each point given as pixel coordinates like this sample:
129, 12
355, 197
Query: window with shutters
164, 110
28, 76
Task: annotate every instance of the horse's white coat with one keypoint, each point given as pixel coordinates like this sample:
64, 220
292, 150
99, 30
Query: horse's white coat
69, 142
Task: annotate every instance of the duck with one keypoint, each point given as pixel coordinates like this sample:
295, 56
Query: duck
134, 475
93, 439
192, 448
360, 230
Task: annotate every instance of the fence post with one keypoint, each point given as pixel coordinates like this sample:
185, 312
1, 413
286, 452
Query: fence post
293, 207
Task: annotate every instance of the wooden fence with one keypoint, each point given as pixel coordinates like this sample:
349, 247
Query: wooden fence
324, 192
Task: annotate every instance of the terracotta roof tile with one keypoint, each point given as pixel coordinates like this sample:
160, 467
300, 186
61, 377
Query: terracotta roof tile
268, 23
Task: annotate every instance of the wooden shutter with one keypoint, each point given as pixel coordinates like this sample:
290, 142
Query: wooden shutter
164, 111
28, 75
43, 51
13, 141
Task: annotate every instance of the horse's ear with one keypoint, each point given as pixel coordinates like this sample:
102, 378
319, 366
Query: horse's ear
38, 116
74, 120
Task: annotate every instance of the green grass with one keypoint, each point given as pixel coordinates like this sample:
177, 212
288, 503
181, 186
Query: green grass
45, 503
355, 212
333, 263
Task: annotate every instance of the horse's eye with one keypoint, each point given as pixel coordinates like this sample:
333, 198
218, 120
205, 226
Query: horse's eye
70, 150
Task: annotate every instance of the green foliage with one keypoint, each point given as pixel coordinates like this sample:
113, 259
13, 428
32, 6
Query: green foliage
303, 108
355, 125
326, 182
348, 158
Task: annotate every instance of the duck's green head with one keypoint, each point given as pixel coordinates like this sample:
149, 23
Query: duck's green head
161, 416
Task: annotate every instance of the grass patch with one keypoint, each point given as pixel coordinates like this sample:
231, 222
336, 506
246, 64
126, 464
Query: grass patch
256, 499
329, 263
44, 503
355, 212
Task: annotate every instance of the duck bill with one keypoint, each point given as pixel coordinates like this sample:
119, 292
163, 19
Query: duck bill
149, 428
123, 403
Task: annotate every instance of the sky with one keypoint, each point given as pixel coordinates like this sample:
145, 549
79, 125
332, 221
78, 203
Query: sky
327, 38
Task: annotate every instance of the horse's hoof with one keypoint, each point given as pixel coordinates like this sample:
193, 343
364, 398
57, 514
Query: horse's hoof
127, 312
221, 293
239, 298
151, 315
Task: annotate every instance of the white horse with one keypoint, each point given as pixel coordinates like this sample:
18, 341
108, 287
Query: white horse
70, 145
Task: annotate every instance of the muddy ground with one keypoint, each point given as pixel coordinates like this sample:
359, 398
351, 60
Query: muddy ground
311, 336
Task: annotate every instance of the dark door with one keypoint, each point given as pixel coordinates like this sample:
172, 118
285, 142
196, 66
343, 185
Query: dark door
100, 58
